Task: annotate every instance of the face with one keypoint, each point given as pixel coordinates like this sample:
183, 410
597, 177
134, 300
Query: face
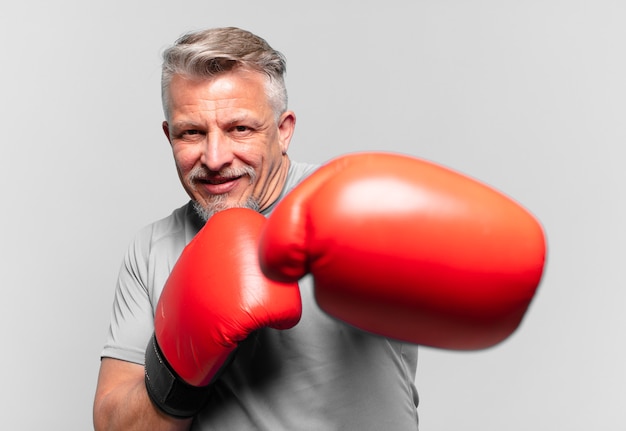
229, 148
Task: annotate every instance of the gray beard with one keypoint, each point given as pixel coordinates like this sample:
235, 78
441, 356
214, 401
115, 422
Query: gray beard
218, 203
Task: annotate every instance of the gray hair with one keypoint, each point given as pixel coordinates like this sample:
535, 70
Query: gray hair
207, 53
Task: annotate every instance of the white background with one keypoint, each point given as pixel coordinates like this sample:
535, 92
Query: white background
529, 97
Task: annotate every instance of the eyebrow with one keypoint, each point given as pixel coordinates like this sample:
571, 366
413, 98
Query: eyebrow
184, 125
242, 118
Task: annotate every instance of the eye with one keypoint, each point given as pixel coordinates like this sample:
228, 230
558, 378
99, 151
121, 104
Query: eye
190, 134
241, 131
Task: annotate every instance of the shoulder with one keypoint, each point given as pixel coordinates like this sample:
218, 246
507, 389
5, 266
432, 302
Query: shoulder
163, 239
180, 225
299, 171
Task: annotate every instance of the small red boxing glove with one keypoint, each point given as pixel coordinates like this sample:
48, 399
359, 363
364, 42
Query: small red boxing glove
215, 296
408, 249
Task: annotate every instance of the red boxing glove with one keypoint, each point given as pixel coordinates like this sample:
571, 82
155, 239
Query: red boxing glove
214, 298
409, 250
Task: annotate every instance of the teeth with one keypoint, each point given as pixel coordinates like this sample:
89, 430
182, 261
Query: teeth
215, 180
219, 181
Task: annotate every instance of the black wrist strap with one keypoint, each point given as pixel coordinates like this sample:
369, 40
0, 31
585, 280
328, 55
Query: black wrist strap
167, 390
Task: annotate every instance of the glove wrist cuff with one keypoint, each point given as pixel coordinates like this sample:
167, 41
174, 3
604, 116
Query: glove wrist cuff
167, 390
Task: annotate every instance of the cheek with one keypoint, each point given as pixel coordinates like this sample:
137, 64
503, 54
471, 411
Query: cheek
184, 159
251, 155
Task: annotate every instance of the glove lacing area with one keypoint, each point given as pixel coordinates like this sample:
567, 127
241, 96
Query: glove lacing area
167, 390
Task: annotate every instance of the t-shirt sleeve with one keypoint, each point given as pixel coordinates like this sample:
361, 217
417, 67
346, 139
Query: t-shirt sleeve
132, 316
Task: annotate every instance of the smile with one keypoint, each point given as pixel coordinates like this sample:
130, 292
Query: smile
219, 180
217, 185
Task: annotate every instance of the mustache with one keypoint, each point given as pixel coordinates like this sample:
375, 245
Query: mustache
203, 174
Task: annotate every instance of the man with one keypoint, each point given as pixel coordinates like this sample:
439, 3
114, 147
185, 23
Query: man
229, 128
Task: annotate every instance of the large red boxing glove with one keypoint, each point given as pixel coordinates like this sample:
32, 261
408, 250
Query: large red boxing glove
215, 296
409, 250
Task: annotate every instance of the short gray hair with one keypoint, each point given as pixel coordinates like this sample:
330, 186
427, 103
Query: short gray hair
207, 53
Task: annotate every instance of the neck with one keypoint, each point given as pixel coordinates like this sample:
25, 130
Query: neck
276, 184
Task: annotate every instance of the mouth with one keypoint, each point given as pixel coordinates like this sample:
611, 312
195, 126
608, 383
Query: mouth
217, 180
216, 184
207, 183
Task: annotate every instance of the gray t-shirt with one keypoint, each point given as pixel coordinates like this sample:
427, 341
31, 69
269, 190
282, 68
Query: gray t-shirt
321, 375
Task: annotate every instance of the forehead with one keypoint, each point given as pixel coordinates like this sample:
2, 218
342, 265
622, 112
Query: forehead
248, 87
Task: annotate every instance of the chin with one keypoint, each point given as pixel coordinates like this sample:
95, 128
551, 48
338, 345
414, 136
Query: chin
221, 203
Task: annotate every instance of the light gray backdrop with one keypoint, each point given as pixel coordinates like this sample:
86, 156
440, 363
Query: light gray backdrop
528, 97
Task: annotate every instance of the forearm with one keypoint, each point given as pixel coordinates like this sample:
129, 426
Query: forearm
130, 408
124, 404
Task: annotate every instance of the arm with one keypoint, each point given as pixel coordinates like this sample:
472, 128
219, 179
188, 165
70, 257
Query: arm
407, 249
210, 302
122, 403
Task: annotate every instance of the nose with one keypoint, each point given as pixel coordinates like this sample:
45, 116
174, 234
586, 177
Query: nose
217, 152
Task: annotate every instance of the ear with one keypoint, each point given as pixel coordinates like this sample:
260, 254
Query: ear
166, 130
286, 127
